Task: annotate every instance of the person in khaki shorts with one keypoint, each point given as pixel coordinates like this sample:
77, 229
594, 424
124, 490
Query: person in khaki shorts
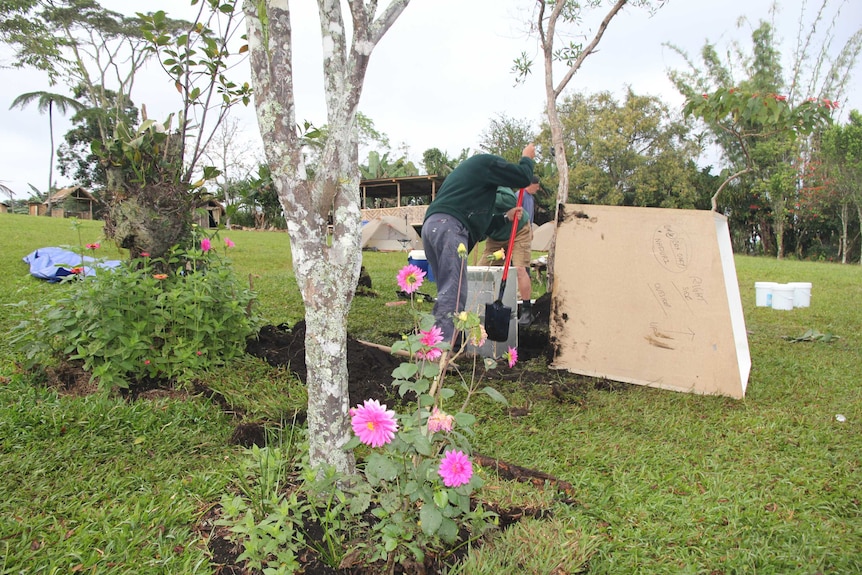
498, 240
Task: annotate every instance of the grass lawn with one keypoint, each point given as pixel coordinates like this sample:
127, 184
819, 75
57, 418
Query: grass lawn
664, 482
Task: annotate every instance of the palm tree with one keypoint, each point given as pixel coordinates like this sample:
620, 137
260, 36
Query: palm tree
47, 101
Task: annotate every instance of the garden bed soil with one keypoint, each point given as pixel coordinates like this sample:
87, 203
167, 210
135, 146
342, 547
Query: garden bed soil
369, 377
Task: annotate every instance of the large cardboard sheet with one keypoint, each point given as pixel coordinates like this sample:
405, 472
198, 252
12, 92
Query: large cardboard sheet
649, 296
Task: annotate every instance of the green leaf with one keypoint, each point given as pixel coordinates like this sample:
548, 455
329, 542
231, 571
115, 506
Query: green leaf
379, 467
421, 444
494, 394
353, 443
360, 502
431, 370
431, 518
405, 371
448, 530
465, 419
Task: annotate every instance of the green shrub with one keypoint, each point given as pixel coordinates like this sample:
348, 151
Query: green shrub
130, 323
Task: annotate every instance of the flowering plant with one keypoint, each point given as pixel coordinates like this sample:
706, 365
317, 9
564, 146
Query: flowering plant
419, 478
147, 318
415, 477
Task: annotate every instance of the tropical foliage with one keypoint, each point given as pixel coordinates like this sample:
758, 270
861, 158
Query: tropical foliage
754, 110
148, 318
633, 152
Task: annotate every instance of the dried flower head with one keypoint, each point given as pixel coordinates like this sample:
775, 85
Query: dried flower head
440, 421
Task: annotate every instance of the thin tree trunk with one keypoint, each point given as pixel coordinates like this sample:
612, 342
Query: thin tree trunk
51, 164
845, 216
327, 278
859, 217
552, 93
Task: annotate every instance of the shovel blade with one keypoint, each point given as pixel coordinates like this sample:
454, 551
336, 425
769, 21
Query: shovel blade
497, 320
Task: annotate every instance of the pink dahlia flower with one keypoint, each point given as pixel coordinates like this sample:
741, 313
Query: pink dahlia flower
432, 354
511, 356
373, 423
431, 337
410, 278
455, 469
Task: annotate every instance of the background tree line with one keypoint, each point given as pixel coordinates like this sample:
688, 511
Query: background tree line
804, 199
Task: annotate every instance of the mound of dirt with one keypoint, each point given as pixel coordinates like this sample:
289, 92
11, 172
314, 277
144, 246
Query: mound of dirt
370, 368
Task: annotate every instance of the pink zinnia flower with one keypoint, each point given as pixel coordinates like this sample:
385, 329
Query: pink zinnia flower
145, 254
373, 423
93, 246
432, 354
511, 356
440, 421
229, 243
455, 469
206, 245
410, 278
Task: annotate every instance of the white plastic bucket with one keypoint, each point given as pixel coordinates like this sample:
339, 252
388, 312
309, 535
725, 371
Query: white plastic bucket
782, 296
763, 293
801, 293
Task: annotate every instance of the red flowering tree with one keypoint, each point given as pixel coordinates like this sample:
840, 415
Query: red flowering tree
760, 128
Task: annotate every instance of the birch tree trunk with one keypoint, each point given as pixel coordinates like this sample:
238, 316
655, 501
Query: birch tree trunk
327, 272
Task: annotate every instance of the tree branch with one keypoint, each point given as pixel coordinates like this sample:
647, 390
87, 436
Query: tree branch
590, 47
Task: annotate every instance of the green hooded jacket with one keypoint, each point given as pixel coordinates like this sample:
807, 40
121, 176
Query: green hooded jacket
470, 191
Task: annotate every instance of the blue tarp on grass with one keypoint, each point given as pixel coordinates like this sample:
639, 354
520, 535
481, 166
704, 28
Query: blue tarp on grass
53, 264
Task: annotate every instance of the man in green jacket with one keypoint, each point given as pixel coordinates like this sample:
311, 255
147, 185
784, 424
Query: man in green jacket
462, 213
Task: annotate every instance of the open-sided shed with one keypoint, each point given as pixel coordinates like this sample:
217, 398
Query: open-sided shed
406, 197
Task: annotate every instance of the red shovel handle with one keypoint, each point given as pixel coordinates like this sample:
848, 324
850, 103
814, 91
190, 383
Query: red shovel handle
512, 237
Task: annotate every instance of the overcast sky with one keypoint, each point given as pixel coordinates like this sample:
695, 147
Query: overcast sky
443, 71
